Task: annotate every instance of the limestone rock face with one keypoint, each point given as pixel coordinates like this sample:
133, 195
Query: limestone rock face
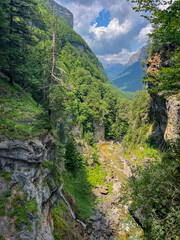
18, 150
173, 113
166, 110
62, 12
167, 114
23, 161
99, 133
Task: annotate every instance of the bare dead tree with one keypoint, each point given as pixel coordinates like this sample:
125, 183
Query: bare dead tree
53, 77
53, 50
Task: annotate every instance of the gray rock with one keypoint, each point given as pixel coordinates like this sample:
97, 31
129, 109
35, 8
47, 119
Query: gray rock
24, 159
4, 225
18, 150
3, 186
27, 235
96, 217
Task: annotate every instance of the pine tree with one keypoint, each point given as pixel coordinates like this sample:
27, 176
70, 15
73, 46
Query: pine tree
16, 25
72, 156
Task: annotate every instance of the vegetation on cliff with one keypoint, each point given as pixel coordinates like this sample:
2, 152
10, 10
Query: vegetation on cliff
154, 190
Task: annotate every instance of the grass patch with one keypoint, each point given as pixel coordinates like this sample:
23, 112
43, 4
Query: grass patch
2, 206
80, 188
19, 114
96, 175
59, 223
7, 193
81, 185
1, 237
110, 188
55, 173
6, 175
20, 207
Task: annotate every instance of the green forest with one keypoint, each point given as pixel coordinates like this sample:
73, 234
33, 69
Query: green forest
52, 82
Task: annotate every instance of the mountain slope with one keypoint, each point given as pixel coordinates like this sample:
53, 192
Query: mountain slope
126, 77
129, 78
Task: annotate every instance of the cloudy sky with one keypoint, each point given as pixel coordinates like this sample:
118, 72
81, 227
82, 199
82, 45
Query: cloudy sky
110, 27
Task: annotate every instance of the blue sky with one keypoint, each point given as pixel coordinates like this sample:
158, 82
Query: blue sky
103, 19
110, 27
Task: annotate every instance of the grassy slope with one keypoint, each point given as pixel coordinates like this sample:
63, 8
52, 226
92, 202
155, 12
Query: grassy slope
19, 113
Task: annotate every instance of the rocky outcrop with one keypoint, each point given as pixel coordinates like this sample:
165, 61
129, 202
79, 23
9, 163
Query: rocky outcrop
166, 110
31, 189
98, 228
62, 12
24, 185
99, 133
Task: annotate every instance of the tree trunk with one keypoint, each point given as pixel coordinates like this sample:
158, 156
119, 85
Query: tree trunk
11, 32
54, 37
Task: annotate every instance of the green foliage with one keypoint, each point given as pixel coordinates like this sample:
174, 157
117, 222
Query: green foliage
1, 237
5, 175
55, 173
110, 188
139, 120
85, 200
20, 115
166, 81
156, 191
95, 156
2, 206
96, 175
17, 35
73, 159
60, 225
7, 193
20, 207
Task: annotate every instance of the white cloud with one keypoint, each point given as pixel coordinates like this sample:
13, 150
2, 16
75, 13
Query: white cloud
113, 30
83, 16
121, 57
121, 32
142, 37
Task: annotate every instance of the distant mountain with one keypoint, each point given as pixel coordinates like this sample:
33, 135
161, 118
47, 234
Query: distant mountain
138, 56
126, 77
129, 78
113, 70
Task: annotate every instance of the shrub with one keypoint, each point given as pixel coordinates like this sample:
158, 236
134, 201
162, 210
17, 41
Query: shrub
156, 191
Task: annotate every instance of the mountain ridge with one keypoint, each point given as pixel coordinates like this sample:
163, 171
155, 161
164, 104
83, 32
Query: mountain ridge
126, 77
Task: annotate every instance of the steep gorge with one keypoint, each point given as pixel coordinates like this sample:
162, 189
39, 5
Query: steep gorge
59, 168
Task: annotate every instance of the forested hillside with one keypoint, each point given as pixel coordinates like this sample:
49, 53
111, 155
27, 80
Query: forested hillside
27, 59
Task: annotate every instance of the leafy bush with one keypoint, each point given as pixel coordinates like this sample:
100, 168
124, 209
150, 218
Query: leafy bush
156, 191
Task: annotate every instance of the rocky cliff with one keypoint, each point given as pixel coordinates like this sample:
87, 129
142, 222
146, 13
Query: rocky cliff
62, 12
25, 187
30, 188
166, 110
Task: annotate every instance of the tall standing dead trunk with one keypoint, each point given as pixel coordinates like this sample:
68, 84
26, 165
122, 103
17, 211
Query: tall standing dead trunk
53, 50
11, 32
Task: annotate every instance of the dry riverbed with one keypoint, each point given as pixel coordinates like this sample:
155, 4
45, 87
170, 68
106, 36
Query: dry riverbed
112, 220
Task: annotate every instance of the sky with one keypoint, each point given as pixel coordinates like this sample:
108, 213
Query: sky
112, 29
